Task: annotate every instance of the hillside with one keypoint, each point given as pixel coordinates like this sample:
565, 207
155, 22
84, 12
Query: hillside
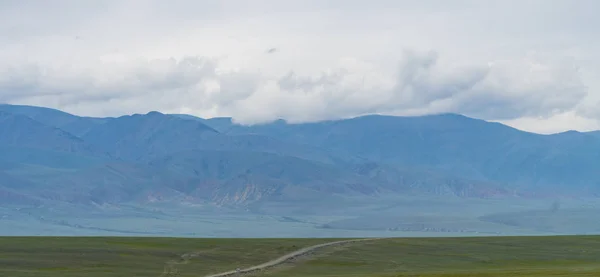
137, 136
455, 145
22, 131
151, 157
75, 125
594, 133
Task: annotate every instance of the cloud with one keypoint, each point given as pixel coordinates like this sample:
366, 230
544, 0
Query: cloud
103, 84
524, 88
561, 122
341, 58
420, 84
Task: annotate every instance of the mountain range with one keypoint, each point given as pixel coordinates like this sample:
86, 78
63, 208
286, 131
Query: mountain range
47, 155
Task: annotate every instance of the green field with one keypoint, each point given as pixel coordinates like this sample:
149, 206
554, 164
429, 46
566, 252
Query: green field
491, 256
95, 257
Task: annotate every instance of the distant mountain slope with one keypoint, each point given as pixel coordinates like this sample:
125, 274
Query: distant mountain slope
224, 177
397, 139
14, 190
115, 182
221, 124
240, 176
73, 124
154, 134
453, 144
51, 158
227, 177
159, 157
594, 133
22, 131
422, 181
137, 136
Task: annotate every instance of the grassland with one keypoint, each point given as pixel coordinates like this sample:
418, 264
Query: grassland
484, 256
491, 256
96, 256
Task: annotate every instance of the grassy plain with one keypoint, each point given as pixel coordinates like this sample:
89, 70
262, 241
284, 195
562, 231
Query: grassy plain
453, 257
118, 256
482, 256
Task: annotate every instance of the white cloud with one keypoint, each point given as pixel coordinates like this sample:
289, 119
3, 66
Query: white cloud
555, 124
503, 60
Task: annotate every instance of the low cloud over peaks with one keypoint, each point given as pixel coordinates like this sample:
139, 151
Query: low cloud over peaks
420, 84
220, 59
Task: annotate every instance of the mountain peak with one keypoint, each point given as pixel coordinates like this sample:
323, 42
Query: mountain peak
73, 124
441, 153
154, 133
154, 113
22, 131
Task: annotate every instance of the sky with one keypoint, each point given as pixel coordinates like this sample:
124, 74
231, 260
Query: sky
531, 64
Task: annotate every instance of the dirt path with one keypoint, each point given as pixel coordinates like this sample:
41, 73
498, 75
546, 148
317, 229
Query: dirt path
286, 258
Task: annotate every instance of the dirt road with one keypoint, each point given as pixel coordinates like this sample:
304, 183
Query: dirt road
286, 258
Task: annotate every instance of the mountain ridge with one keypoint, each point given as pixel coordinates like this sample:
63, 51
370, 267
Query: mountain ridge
162, 157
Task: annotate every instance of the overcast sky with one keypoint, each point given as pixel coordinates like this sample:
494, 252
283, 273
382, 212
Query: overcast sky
534, 64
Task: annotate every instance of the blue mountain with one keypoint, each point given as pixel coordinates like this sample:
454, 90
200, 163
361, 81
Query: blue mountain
454, 144
50, 155
75, 125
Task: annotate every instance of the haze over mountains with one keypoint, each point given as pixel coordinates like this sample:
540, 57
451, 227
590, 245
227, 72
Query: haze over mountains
49, 155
